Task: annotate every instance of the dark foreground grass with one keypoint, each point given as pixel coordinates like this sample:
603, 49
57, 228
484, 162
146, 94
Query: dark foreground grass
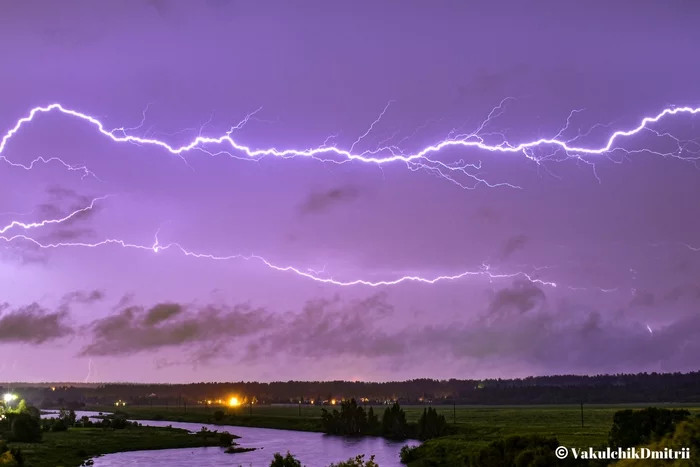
71, 448
477, 425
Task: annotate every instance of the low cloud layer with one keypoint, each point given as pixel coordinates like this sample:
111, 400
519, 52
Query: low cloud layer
135, 329
32, 324
519, 327
35, 324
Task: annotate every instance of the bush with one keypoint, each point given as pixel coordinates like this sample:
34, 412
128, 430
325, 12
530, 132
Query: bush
635, 427
225, 438
408, 454
11, 457
58, 425
219, 415
287, 461
358, 461
24, 428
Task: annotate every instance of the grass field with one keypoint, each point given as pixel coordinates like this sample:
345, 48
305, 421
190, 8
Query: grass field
70, 448
478, 424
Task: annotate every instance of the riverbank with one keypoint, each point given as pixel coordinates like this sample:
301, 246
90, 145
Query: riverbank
230, 417
476, 426
73, 447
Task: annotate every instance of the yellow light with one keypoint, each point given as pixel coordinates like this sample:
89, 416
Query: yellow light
333, 402
234, 402
209, 402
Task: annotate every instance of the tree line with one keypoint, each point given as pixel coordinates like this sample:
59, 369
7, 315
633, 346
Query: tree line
564, 389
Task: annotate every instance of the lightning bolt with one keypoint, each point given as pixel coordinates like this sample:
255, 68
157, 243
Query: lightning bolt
89, 373
156, 247
382, 155
44, 223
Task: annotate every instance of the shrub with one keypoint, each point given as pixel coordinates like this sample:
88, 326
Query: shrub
24, 428
287, 461
635, 427
358, 461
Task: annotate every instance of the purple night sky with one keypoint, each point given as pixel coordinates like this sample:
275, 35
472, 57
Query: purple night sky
615, 231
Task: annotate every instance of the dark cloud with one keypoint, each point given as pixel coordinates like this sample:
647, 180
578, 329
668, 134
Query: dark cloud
162, 312
513, 244
332, 327
32, 324
522, 297
320, 201
643, 298
136, 329
688, 292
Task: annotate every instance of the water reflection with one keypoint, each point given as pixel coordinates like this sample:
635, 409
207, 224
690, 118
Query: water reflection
313, 449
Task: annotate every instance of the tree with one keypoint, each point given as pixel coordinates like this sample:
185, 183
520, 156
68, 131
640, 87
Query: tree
394, 424
287, 461
431, 424
635, 427
219, 415
351, 420
686, 435
372, 421
24, 428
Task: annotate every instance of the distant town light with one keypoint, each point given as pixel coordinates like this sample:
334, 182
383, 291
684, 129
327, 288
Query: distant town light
234, 402
9, 397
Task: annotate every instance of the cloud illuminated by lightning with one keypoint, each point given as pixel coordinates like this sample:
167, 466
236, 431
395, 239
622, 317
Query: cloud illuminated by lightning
419, 160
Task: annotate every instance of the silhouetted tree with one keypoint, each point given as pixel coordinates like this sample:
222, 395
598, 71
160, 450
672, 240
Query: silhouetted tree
394, 424
372, 421
635, 427
431, 424
351, 420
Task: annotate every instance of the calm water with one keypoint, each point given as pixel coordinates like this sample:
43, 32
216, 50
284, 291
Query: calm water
312, 449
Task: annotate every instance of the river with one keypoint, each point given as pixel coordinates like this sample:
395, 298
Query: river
312, 449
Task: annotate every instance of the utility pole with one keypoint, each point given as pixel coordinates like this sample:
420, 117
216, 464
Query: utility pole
454, 407
581, 414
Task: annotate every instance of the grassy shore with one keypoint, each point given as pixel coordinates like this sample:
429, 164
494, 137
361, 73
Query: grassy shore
477, 425
71, 448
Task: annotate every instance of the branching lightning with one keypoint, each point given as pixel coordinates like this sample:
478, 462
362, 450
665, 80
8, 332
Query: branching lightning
157, 247
384, 153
